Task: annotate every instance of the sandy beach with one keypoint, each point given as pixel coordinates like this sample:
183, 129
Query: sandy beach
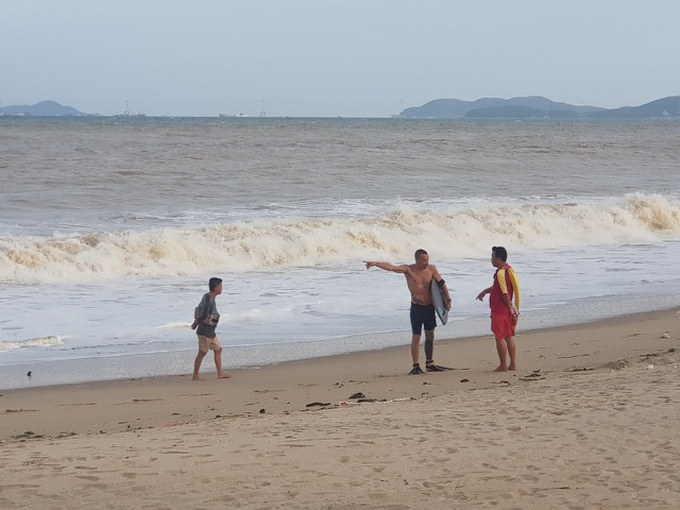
589, 420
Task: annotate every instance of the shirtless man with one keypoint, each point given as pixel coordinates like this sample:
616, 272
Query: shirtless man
419, 278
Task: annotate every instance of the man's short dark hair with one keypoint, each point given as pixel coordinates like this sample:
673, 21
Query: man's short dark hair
419, 253
500, 253
214, 283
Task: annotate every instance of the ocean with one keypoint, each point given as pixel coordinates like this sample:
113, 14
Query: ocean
111, 227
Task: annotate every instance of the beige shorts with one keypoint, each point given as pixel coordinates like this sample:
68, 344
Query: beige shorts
205, 343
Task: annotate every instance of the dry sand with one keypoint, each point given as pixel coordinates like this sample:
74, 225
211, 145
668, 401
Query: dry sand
589, 420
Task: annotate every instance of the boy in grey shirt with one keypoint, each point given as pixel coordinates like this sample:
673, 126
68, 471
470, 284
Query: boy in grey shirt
206, 318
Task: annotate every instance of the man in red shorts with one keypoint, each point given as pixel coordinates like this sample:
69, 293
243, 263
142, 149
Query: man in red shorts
504, 314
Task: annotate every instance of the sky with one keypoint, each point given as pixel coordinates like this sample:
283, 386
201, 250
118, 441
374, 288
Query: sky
329, 58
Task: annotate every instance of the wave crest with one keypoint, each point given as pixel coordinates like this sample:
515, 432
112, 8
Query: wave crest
276, 244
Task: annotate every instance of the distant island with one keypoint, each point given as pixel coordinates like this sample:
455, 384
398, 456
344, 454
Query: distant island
537, 107
531, 107
42, 109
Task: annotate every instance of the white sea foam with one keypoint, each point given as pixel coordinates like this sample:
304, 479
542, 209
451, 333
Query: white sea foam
174, 325
306, 242
48, 341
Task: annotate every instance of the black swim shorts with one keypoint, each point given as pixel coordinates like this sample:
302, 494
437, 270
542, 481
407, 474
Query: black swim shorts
422, 315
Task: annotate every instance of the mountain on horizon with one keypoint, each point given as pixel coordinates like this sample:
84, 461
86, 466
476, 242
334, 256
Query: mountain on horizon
537, 107
529, 107
42, 109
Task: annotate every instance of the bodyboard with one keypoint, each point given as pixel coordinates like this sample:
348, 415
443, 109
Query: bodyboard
439, 302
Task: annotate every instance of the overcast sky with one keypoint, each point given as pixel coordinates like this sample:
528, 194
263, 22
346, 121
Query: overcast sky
351, 58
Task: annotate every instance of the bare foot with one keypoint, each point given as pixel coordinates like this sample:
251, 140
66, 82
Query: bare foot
501, 369
224, 376
196, 378
512, 368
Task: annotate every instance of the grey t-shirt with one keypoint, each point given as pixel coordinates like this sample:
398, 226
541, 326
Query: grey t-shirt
207, 312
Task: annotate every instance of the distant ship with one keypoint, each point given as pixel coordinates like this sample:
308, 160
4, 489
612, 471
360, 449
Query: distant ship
127, 113
263, 113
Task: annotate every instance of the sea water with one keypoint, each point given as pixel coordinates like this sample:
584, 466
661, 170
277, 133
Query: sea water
111, 227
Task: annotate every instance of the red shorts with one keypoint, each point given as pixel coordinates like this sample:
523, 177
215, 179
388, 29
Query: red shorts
503, 325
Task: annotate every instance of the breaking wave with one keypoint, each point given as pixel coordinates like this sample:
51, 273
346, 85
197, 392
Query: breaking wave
302, 242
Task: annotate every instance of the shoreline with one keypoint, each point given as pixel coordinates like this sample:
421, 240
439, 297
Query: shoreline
123, 367
264, 387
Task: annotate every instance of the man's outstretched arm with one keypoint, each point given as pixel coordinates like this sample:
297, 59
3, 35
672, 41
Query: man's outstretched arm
387, 266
